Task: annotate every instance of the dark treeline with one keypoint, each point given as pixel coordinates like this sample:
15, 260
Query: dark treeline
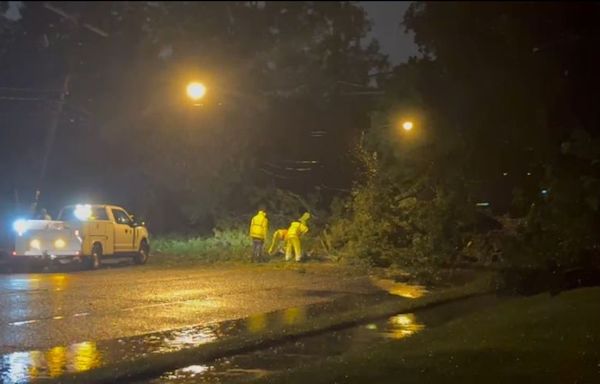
502, 163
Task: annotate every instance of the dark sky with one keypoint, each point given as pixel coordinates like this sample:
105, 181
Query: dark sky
387, 16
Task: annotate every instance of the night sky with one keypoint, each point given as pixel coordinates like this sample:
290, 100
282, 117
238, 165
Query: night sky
387, 16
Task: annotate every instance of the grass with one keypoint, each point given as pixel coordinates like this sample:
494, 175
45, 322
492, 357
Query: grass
539, 339
224, 246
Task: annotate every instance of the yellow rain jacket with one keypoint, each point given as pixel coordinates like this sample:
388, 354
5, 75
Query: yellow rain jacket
278, 237
298, 228
259, 226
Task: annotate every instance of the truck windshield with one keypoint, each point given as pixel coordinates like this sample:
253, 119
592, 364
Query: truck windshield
68, 214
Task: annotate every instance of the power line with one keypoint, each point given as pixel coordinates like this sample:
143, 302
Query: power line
35, 90
17, 98
274, 174
74, 19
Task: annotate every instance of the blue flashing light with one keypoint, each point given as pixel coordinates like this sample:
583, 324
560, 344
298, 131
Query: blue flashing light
20, 226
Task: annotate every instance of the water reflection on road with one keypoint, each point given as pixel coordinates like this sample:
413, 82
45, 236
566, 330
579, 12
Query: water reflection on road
290, 316
355, 340
408, 291
22, 367
404, 325
246, 367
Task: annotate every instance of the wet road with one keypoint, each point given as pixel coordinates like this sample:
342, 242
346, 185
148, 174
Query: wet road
41, 311
246, 367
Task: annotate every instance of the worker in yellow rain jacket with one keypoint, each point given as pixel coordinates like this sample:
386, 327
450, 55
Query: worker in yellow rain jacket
296, 230
278, 240
259, 227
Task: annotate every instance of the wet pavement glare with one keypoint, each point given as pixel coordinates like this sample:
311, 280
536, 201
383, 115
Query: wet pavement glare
23, 367
250, 366
27, 366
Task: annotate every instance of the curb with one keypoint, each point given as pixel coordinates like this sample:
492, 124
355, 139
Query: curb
153, 365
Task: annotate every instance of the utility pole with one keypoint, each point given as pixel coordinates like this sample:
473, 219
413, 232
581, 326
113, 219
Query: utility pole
50, 136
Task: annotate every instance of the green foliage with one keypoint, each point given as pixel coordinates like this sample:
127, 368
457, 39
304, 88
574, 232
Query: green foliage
511, 81
227, 245
564, 224
229, 240
270, 70
397, 216
498, 87
275, 72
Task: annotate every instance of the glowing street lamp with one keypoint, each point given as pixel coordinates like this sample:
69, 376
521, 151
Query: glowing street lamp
407, 125
196, 91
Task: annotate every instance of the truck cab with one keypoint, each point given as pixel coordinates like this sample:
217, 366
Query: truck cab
85, 233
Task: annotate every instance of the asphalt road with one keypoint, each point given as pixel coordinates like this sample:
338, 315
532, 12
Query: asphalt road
40, 311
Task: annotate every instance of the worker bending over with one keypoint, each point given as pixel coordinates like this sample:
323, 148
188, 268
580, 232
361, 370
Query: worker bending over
296, 230
278, 241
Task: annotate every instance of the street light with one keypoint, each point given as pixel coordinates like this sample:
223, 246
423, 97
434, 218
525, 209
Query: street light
407, 125
196, 91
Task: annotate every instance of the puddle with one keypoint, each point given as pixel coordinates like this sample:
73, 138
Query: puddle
262, 363
258, 364
23, 367
408, 291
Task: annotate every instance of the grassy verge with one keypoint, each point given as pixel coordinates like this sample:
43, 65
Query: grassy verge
358, 313
234, 246
536, 339
224, 246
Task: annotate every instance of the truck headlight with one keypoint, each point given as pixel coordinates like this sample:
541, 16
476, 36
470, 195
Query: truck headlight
34, 244
59, 243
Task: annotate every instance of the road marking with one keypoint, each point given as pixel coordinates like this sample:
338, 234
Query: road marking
23, 322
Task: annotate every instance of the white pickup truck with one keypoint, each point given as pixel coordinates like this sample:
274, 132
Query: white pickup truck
83, 233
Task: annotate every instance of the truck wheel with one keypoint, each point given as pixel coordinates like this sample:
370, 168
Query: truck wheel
142, 255
94, 260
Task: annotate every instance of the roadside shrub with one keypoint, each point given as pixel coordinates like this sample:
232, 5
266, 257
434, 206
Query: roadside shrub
224, 245
381, 225
563, 223
230, 240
